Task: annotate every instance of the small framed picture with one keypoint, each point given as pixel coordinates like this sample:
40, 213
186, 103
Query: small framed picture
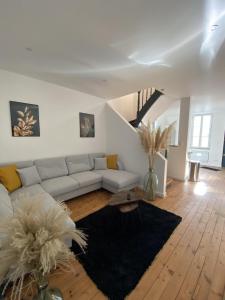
87, 125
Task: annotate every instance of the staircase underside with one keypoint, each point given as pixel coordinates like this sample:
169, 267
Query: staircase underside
145, 106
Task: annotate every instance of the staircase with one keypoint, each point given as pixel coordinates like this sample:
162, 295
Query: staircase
146, 98
120, 130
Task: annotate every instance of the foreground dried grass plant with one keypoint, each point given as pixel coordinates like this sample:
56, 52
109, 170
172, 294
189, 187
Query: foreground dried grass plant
33, 241
154, 140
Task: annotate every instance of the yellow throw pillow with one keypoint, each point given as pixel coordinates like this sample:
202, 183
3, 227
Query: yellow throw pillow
9, 178
112, 161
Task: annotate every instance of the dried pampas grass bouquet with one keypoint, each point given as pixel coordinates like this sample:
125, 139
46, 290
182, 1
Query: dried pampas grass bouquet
154, 140
33, 242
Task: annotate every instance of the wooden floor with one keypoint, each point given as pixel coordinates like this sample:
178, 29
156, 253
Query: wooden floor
191, 265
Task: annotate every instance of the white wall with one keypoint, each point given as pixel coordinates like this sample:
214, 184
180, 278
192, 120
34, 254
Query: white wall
59, 109
171, 115
215, 107
217, 138
126, 106
177, 156
123, 139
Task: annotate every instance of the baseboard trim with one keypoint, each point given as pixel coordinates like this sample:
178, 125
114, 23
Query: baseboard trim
161, 195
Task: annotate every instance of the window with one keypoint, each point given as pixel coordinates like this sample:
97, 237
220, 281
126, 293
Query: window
201, 131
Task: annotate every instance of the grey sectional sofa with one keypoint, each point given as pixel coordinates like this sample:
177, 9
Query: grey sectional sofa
67, 177
63, 178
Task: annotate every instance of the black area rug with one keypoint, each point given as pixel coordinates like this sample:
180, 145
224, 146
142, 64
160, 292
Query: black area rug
121, 246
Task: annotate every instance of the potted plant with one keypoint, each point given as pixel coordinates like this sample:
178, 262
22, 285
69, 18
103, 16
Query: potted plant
153, 141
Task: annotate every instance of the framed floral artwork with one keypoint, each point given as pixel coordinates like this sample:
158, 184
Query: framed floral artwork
24, 119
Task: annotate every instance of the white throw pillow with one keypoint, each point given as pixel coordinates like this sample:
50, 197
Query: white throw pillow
6, 209
29, 176
100, 163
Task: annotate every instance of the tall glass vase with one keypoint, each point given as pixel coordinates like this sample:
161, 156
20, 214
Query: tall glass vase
150, 185
44, 292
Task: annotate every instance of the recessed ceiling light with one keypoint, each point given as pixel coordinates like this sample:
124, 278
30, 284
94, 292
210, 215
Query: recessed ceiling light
29, 49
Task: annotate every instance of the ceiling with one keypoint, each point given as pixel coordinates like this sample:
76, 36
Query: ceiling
112, 48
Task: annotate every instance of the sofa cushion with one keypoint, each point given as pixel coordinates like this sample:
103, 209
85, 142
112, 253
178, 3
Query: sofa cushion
20, 164
29, 176
78, 163
27, 191
92, 157
51, 167
112, 161
6, 209
9, 177
118, 179
100, 163
60, 185
87, 178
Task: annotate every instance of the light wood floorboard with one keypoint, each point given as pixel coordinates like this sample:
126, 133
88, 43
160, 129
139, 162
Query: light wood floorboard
191, 265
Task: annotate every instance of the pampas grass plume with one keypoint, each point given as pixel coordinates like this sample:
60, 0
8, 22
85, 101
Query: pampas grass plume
33, 242
154, 140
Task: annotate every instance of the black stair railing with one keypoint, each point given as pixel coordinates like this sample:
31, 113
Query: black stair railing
146, 98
